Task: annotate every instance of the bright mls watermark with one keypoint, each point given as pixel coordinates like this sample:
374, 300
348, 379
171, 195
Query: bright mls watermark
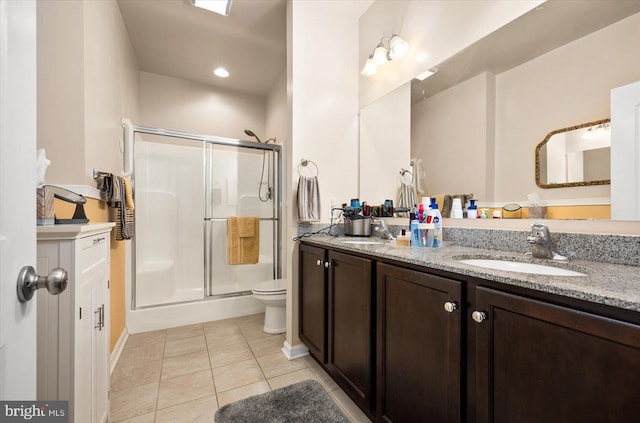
34, 411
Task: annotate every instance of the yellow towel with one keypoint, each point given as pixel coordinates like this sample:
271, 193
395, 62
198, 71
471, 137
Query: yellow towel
243, 240
128, 193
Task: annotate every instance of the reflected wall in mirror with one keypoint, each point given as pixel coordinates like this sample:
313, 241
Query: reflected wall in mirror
477, 121
576, 156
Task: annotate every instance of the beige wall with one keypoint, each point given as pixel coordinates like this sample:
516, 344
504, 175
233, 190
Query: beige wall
459, 116
110, 86
322, 99
186, 106
87, 81
60, 35
565, 87
435, 31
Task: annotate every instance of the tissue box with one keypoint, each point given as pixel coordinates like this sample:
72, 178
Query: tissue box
44, 207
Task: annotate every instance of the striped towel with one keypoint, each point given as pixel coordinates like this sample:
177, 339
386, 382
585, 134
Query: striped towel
308, 199
115, 195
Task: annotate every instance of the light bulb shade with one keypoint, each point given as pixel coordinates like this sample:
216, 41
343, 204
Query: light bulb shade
380, 55
370, 68
398, 47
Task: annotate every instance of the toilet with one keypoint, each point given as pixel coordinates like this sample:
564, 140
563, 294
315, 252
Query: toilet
273, 294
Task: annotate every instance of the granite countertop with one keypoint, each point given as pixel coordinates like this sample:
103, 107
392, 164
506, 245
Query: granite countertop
610, 284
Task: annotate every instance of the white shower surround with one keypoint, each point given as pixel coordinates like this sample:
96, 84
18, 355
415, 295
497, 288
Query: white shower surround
170, 254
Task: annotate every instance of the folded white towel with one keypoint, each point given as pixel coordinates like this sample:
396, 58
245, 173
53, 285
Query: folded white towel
308, 199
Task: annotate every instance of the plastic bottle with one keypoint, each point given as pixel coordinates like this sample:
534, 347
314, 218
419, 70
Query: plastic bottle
472, 211
415, 236
456, 209
436, 219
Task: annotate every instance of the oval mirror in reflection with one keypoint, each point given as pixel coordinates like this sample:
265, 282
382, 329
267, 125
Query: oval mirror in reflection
575, 156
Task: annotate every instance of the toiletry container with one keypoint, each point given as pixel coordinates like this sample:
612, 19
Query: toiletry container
472, 211
456, 209
415, 236
403, 240
436, 219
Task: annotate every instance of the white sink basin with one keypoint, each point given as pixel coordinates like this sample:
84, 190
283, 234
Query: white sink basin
361, 242
519, 267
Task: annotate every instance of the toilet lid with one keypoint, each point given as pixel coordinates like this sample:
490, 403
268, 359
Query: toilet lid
275, 286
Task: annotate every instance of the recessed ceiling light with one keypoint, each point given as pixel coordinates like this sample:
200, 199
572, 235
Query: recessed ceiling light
222, 7
221, 72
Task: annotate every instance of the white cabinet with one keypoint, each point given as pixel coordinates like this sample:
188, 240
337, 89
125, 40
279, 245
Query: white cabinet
73, 327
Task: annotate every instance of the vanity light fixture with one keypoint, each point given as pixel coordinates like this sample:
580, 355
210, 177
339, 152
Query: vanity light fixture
223, 7
395, 48
221, 72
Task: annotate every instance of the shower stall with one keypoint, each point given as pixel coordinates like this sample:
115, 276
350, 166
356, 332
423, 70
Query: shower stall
186, 186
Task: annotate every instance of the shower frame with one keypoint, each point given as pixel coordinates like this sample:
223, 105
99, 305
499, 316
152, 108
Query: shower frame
276, 198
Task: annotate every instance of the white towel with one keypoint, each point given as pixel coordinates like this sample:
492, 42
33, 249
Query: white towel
308, 199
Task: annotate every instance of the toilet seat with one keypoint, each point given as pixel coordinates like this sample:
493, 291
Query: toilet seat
271, 287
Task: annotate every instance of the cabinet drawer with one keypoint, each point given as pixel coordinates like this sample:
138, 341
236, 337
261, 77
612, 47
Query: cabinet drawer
92, 253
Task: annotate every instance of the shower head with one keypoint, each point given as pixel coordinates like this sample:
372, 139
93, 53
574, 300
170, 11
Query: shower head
251, 134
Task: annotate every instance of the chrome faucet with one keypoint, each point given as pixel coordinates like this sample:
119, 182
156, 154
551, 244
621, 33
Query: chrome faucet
540, 240
382, 229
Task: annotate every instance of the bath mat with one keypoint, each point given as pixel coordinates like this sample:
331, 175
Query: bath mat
305, 401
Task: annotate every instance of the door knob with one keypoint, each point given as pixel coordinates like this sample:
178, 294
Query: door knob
29, 282
450, 306
479, 316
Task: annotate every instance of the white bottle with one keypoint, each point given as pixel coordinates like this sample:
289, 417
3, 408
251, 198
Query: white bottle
456, 209
436, 219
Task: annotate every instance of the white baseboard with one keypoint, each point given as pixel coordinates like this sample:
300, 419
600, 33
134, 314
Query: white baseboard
293, 352
117, 351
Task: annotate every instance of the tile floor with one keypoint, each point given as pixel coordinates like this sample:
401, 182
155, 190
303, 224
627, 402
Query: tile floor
184, 374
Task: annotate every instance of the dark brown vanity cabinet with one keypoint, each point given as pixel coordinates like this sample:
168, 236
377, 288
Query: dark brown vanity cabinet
418, 346
410, 346
543, 363
350, 335
336, 318
312, 292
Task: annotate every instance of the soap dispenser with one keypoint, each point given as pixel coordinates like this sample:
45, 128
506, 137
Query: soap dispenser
472, 211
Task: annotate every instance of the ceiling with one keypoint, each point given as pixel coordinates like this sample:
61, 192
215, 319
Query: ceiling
545, 28
174, 38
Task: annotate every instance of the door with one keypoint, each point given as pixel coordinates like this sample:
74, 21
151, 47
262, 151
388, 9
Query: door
418, 346
541, 363
17, 196
313, 301
625, 152
350, 341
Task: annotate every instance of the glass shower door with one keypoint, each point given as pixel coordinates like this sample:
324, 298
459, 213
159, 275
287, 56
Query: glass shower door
169, 210
234, 189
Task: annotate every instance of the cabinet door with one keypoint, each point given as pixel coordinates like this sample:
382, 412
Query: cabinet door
101, 351
84, 353
313, 301
542, 363
418, 346
350, 326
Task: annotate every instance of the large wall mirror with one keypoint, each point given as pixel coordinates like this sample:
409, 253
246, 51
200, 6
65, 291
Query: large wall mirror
476, 123
576, 156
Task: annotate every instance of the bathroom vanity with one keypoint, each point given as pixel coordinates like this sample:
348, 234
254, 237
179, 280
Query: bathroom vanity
416, 335
73, 327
